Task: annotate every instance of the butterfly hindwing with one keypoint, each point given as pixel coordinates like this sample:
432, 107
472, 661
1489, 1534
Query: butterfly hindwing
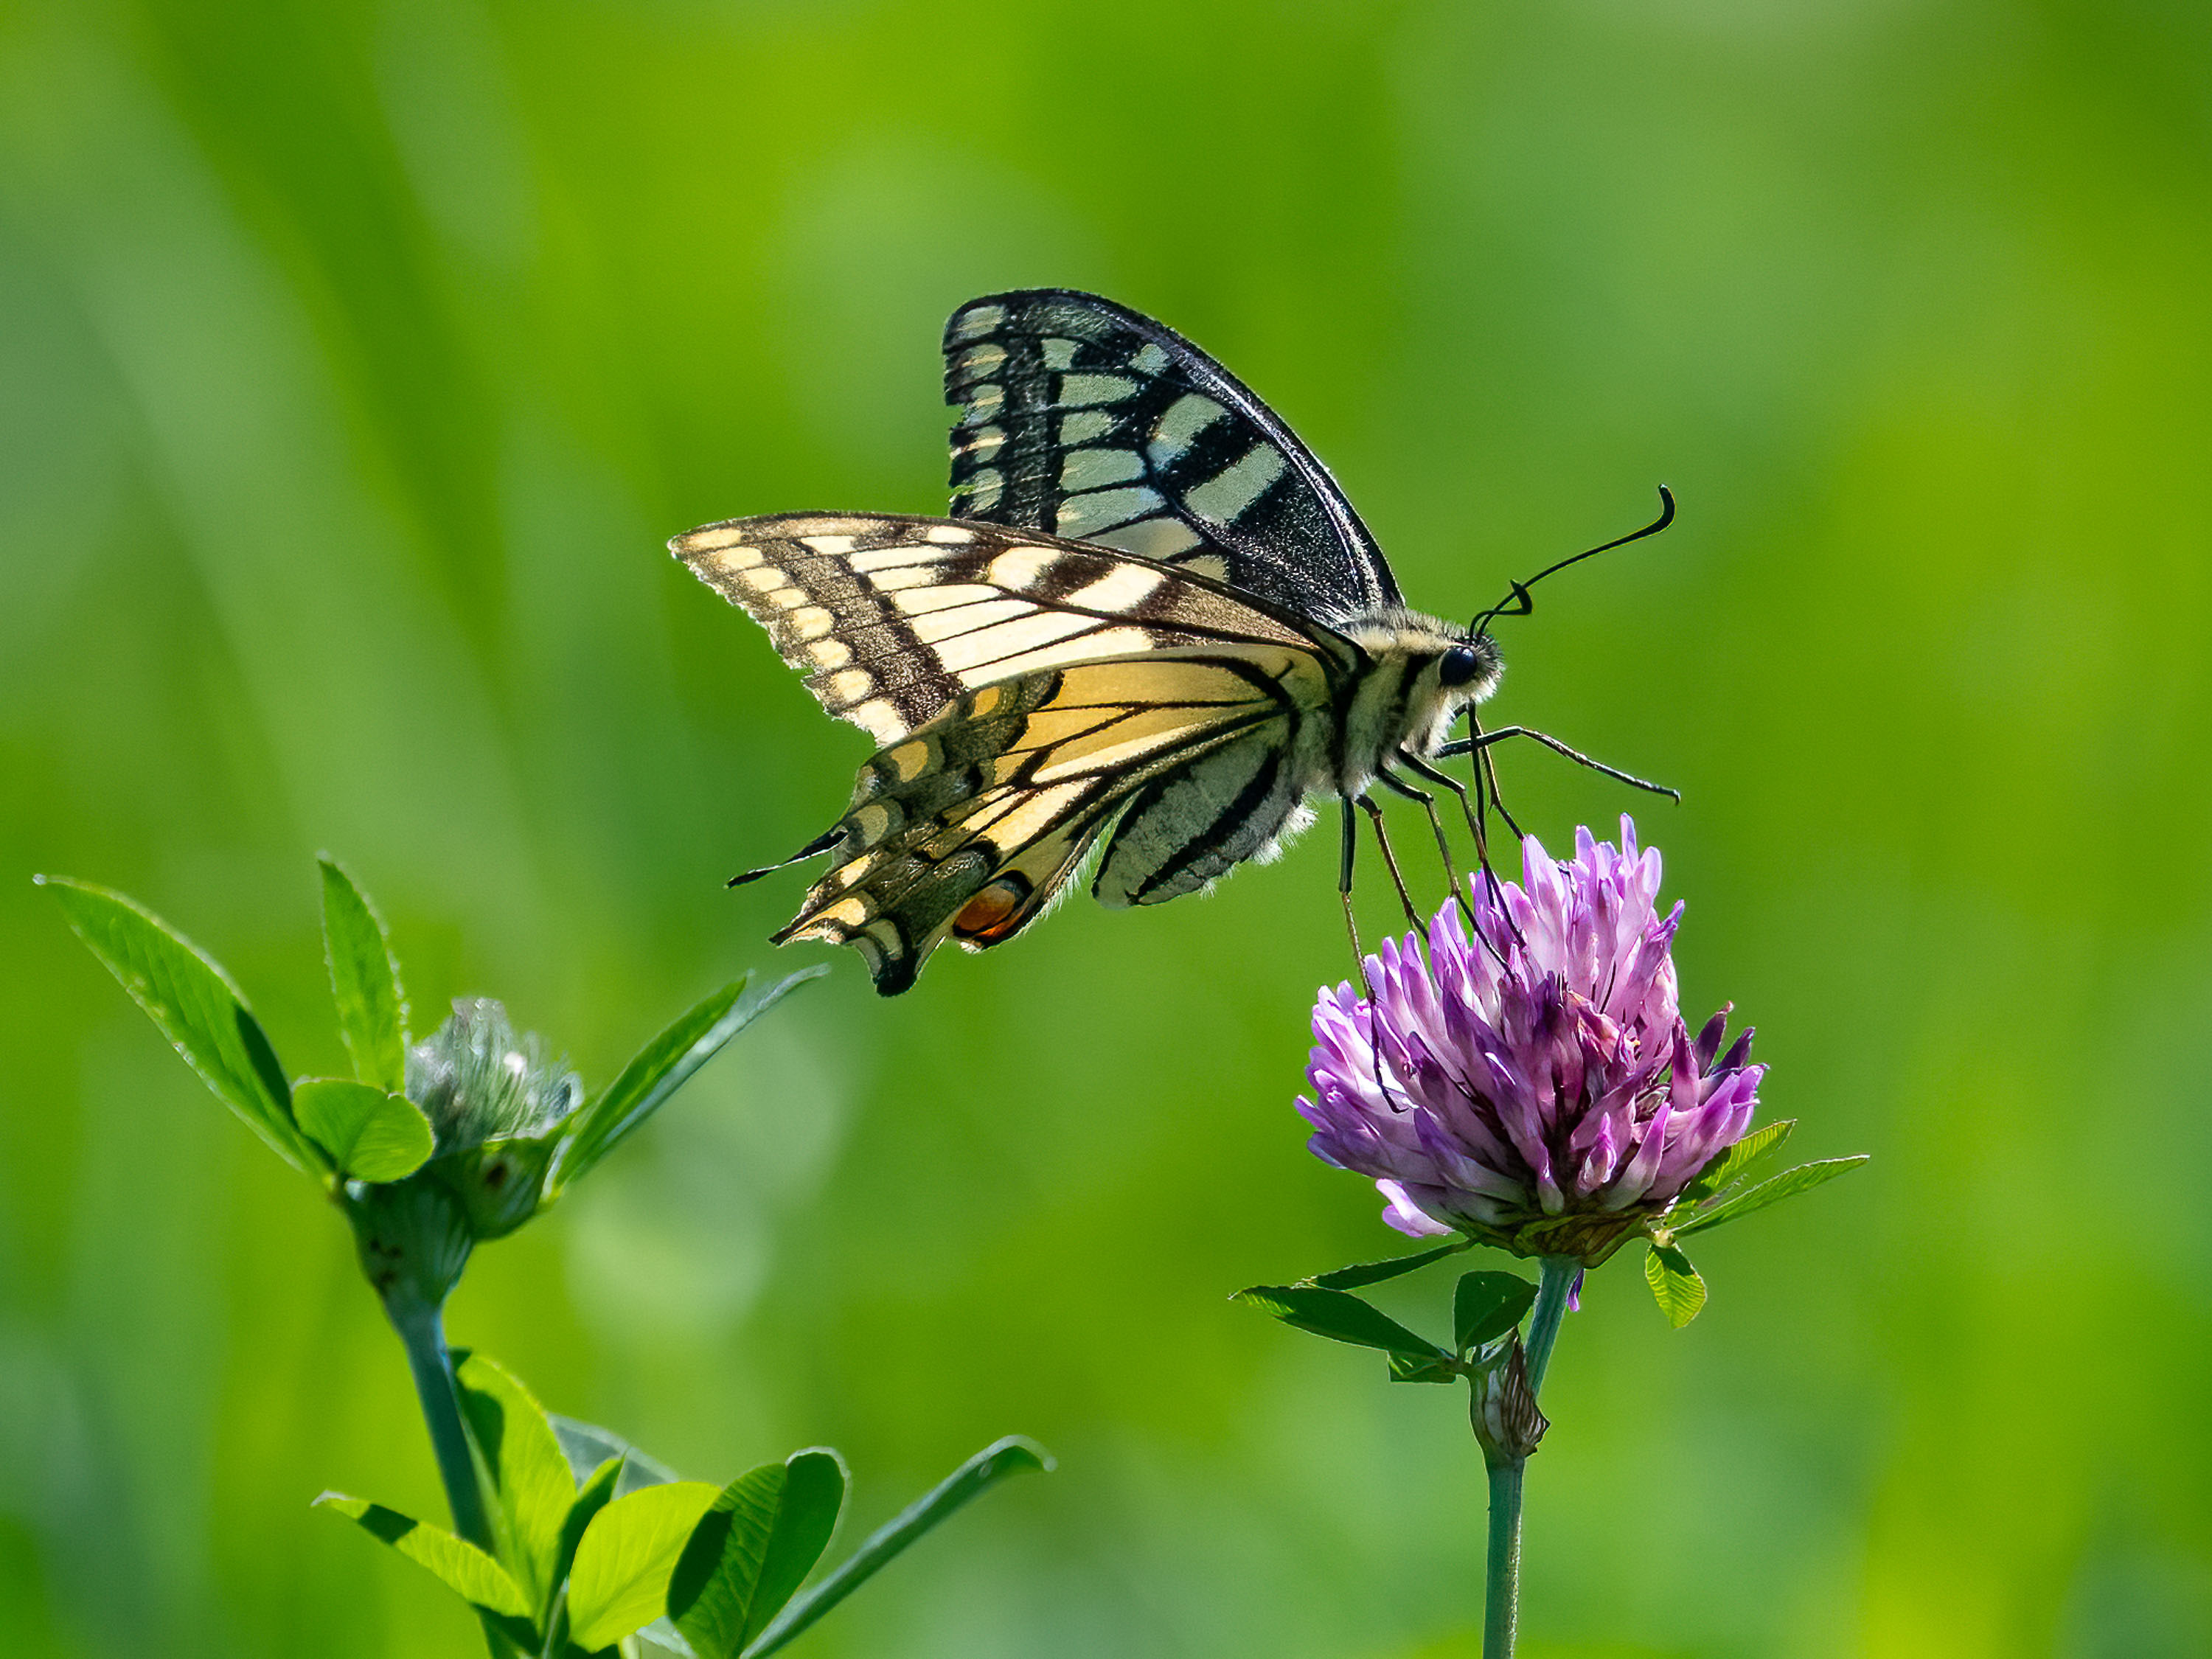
1091, 422
970, 826
893, 617
1188, 827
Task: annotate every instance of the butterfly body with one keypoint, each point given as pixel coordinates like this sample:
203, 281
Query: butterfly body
1153, 629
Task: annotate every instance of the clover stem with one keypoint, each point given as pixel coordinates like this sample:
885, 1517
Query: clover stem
1501, 1603
422, 1328
1501, 1606
1555, 1283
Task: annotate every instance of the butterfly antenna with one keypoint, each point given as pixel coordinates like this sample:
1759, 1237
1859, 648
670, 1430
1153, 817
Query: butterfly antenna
820, 843
1517, 602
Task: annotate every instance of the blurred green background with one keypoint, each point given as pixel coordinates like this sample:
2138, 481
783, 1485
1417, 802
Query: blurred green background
355, 360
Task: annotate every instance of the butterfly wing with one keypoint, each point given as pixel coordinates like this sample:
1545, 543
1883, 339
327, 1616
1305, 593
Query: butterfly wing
1089, 420
1025, 690
970, 826
892, 617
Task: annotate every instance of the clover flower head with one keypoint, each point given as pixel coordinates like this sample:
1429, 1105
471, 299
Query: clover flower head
476, 1080
1533, 1086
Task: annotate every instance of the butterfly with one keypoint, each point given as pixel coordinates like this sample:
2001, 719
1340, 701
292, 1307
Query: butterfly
1152, 628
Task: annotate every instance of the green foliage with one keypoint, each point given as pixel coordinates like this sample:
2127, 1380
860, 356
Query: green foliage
1486, 1305
463, 1568
587, 1447
579, 1564
370, 1134
596, 1491
1424, 1368
349, 382
196, 1007
364, 982
1376, 1272
533, 1494
362, 1130
1723, 1168
1341, 1317
661, 1068
618, 1583
998, 1461
1717, 1195
753, 1550
1788, 1184
1674, 1284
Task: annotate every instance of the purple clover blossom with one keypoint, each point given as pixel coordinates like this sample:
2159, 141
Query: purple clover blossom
1536, 1087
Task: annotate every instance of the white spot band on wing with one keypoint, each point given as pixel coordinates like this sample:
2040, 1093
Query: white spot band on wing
1120, 590
1236, 486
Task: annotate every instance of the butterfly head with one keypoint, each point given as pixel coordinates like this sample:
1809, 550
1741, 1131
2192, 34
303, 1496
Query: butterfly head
1466, 662
1454, 671
1427, 672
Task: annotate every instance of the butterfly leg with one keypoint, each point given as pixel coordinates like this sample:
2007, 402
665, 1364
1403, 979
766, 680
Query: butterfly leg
1444, 780
1391, 780
1437, 775
1374, 811
1482, 741
1478, 815
1348, 857
1477, 745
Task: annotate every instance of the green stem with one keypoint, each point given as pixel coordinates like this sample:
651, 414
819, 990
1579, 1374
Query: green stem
1555, 1281
1501, 1608
421, 1327
1501, 1603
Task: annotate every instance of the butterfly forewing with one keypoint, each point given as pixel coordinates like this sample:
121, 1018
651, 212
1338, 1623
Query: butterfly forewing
891, 618
969, 827
1089, 420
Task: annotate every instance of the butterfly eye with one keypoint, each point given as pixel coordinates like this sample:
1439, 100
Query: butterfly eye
1461, 664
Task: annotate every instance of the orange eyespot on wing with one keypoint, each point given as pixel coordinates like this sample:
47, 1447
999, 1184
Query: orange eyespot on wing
996, 913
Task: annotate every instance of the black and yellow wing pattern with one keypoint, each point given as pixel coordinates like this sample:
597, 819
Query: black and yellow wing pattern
1082, 418
1029, 692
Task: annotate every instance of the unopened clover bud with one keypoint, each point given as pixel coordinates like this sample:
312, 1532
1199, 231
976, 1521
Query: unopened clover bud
497, 1101
413, 1240
1503, 1408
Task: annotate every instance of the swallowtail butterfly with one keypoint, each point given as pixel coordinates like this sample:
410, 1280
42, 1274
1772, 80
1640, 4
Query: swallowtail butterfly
1152, 619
